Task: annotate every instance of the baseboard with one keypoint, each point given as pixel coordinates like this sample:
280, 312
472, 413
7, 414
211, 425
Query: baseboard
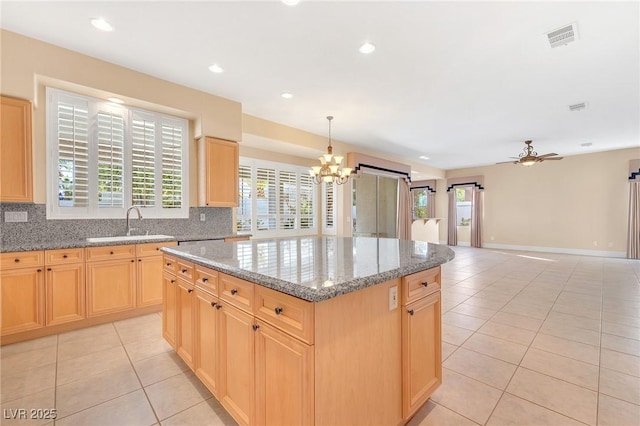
559, 250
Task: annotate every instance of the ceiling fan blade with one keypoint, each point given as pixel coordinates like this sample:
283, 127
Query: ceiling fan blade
510, 162
551, 158
551, 154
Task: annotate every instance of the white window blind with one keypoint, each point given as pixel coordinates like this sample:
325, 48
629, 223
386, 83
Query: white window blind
329, 208
275, 199
103, 158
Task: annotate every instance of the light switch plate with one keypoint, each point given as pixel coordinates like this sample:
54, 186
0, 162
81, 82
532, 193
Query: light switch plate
393, 297
15, 216
202, 218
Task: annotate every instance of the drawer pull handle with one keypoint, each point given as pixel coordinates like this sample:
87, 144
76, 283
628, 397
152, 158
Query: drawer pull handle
157, 248
173, 281
16, 260
184, 271
39, 270
139, 260
205, 280
132, 260
425, 283
234, 291
190, 291
255, 327
410, 311
64, 256
168, 263
110, 252
48, 269
278, 310
218, 306
214, 305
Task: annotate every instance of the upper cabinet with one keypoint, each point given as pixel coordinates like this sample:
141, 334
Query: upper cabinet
217, 173
15, 150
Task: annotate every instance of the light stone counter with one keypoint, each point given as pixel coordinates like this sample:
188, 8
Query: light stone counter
316, 268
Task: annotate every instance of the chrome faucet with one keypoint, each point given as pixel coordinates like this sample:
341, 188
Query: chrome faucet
128, 213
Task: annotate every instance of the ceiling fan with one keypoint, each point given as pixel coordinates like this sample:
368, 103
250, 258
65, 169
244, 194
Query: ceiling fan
528, 156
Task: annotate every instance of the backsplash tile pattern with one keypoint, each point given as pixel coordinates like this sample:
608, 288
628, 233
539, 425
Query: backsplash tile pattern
218, 221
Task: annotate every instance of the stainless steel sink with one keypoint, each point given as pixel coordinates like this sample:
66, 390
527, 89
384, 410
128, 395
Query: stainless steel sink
127, 238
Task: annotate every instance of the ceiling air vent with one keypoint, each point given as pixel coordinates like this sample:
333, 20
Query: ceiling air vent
577, 107
564, 35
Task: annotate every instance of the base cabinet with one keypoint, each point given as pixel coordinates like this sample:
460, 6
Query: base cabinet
65, 295
169, 308
22, 299
110, 286
206, 333
149, 280
185, 313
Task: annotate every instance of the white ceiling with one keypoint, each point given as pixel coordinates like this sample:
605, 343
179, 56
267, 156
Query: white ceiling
464, 83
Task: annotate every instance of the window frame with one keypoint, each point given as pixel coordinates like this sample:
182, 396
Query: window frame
93, 210
254, 164
414, 194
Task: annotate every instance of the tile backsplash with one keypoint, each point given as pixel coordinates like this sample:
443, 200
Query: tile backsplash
218, 221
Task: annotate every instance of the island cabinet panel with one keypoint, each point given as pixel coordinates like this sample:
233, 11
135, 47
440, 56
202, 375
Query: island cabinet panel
236, 363
207, 346
284, 378
110, 286
169, 308
22, 299
185, 313
65, 293
358, 373
16, 162
420, 284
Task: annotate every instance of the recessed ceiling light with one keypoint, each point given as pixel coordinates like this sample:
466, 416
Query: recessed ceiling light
286, 95
367, 48
290, 2
216, 68
424, 157
101, 24
115, 100
586, 144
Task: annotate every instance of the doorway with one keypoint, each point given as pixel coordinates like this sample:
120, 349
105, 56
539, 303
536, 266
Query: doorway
374, 206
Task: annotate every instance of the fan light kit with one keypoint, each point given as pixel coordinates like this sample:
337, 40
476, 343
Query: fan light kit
529, 157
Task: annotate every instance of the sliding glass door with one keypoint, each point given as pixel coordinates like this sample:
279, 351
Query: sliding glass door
375, 206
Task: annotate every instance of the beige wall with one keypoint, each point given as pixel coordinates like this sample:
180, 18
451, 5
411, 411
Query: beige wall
579, 203
28, 66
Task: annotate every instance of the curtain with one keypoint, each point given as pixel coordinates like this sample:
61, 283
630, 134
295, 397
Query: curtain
633, 243
404, 210
477, 203
452, 220
431, 204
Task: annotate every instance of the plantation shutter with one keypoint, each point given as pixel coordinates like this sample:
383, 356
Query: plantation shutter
288, 199
329, 216
171, 138
110, 160
266, 199
143, 162
73, 154
244, 199
306, 202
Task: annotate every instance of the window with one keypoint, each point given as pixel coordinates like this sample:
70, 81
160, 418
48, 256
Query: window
103, 158
420, 199
463, 206
329, 208
275, 199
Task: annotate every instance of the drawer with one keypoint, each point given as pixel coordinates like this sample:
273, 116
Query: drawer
185, 269
287, 313
60, 257
21, 259
237, 292
207, 279
111, 252
420, 284
170, 264
152, 249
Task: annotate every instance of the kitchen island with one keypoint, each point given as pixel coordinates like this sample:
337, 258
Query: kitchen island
309, 330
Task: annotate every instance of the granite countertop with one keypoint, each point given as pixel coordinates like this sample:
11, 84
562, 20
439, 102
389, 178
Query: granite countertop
82, 242
316, 268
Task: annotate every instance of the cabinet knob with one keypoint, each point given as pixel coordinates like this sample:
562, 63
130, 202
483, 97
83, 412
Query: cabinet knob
111, 252
184, 271
173, 281
139, 260
132, 260
278, 310
48, 269
218, 306
234, 291
157, 248
168, 263
205, 280
214, 305
410, 311
190, 291
255, 326
16, 260
64, 256
39, 270
425, 283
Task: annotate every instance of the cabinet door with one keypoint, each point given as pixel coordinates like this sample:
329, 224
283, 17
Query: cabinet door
169, 308
206, 353
149, 285
15, 150
110, 287
421, 352
22, 299
218, 173
64, 293
284, 379
185, 335
236, 380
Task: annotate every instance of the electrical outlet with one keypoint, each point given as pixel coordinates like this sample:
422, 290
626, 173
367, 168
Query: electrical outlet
202, 218
15, 216
393, 297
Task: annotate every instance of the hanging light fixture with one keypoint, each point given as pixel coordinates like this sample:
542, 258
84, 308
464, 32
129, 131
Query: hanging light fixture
329, 169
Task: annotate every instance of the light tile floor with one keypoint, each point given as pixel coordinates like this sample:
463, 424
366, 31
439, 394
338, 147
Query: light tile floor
528, 339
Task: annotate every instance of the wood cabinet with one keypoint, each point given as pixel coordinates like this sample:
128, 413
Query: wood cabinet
169, 307
421, 340
111, 284
217, 172
64, 286
16, 175
206, 339
185, 337
22, 287
149, 273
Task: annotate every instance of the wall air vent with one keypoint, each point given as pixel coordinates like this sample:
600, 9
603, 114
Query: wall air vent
564, 35
578, 107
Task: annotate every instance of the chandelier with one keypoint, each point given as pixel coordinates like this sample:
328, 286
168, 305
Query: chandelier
329, 169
